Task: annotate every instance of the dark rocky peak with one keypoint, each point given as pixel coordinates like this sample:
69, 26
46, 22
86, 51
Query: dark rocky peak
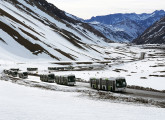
154, 34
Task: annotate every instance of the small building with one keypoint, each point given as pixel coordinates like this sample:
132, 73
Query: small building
142, 55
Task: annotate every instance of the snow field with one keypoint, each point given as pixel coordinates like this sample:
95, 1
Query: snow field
20, 102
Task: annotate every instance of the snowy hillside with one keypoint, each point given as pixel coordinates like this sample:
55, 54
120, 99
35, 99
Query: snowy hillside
153, 35
36, 29
125, 27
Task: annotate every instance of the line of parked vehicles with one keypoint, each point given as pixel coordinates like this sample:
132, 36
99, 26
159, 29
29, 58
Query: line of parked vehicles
69, 80
14, 72
106, 84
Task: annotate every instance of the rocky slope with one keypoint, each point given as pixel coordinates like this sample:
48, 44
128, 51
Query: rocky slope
125, 27
36, 29
153, 35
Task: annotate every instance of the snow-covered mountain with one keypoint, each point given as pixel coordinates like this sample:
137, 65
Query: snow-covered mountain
37, 29
124, 27
154, 34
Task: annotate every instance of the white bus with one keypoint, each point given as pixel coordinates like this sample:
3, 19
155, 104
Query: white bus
109, 84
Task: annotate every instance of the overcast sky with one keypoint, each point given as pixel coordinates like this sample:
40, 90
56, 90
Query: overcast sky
87, 8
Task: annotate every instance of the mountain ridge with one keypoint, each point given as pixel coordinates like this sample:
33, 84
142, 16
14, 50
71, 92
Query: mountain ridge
37, 29
155, 34
131, 25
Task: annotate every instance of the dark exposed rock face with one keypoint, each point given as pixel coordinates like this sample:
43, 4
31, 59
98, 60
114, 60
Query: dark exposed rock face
58, 14
41, 29
53, 10
153, 35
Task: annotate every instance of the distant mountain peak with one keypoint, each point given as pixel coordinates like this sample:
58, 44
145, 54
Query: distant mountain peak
159, 11
131, 24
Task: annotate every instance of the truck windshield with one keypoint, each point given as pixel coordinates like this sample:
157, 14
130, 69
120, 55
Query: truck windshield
51, 76
120, 83
71, 78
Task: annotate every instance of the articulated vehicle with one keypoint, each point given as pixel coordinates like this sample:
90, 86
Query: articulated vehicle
109, 84
5, 71
52, 68
56, 68
66, 80
60, 68
23, 75
47, 77
14, 73
32, 70
14, 69
9, 72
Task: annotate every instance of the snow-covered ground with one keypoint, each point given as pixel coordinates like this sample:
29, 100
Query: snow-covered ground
26, 103
146, 73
